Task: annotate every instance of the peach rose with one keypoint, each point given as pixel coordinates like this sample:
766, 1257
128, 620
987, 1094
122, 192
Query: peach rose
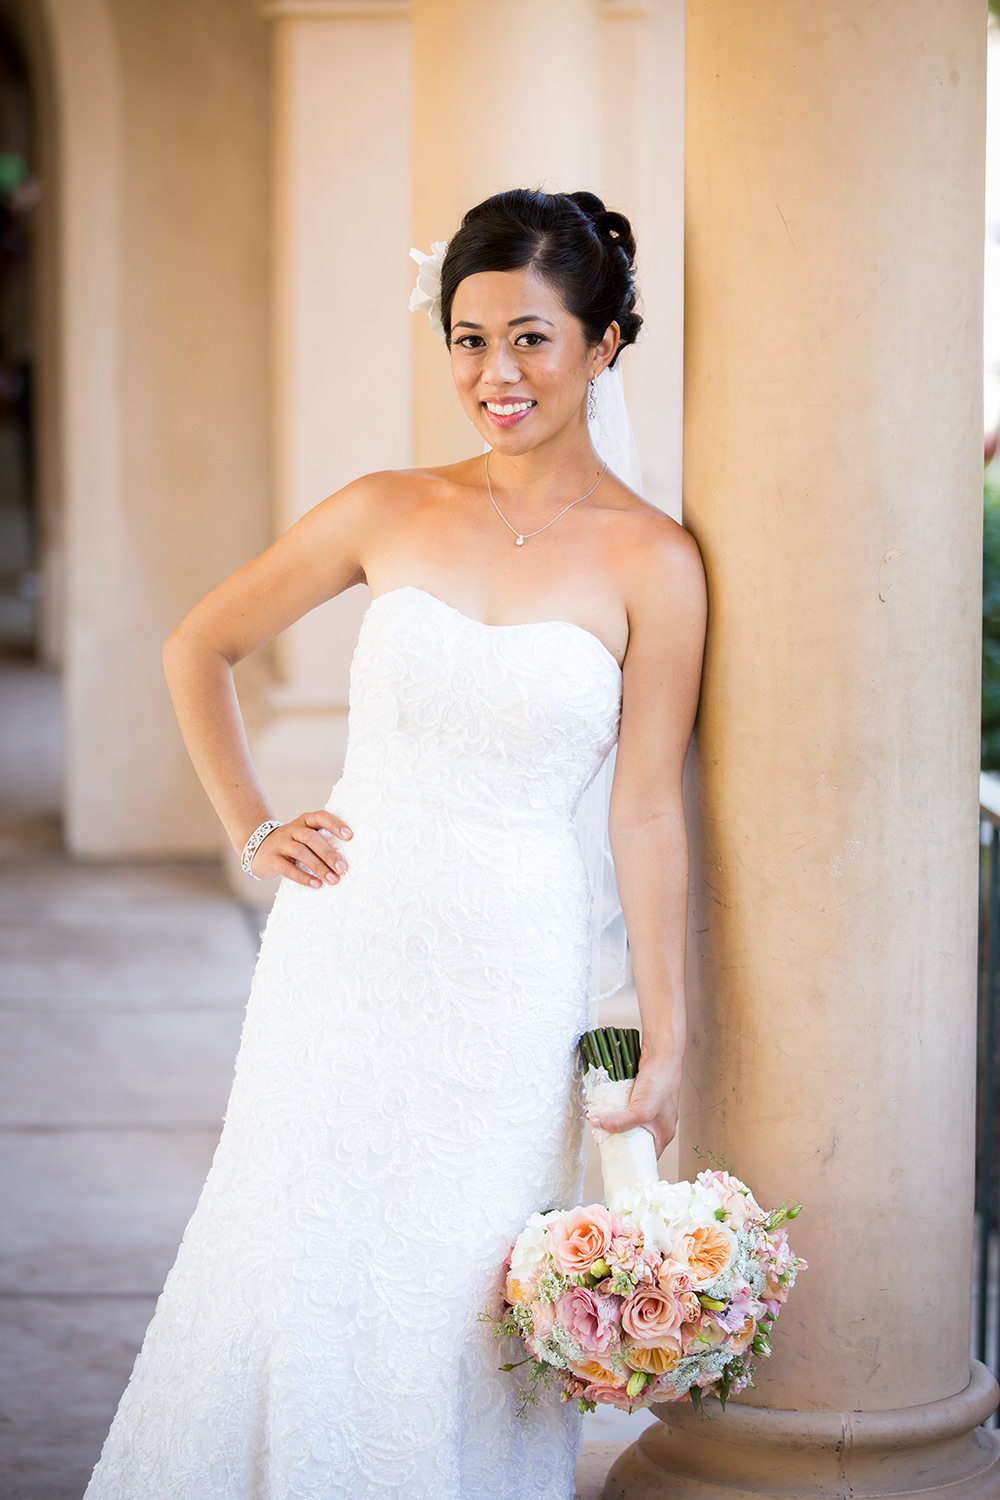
651, 1317
591, 1370
656, 1360
543, 1317
743, 1337
517, 1290
691, 1308
580, 1237
672, 1277
698, 1339
706, 1251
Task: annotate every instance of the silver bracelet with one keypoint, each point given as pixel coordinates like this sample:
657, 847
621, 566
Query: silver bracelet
253, 843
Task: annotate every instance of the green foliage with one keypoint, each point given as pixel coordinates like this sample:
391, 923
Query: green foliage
991, 621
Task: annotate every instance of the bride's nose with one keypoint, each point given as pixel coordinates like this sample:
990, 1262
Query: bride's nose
500, 366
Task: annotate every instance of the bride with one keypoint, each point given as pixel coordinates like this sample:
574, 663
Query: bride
407, 1090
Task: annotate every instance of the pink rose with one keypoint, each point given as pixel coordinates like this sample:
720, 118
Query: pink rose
591, 1320
611, 1395
580, 1237
650, 1316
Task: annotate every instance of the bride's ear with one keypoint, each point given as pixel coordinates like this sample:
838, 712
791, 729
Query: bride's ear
606, 347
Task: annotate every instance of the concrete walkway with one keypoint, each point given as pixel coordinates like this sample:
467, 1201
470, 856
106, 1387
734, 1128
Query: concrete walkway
122, 990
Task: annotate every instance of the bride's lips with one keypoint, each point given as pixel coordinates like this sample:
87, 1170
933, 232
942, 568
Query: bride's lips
512, 420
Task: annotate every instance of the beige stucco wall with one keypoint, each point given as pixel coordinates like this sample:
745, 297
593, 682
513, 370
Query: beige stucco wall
164, 380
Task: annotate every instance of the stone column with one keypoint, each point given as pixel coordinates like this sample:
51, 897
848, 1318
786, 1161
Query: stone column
341, 232
832, 476
504, 96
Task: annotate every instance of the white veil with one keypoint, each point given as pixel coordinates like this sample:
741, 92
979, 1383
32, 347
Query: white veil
611, 434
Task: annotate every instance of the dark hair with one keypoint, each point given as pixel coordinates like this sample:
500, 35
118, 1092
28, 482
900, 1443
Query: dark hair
583, 250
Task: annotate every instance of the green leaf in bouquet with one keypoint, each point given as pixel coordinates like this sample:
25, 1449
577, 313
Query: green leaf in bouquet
695, 1394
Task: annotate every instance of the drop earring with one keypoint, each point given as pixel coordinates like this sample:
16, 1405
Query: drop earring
591, 401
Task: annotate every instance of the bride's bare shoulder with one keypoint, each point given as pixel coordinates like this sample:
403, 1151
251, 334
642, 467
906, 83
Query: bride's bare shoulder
635, 528
656, 559
386, 494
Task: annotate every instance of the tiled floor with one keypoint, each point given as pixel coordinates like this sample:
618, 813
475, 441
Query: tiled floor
121, 996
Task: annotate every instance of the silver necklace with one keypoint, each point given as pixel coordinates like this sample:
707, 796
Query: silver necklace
520, 537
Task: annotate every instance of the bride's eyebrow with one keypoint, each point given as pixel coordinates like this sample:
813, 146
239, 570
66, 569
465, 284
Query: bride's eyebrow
528, 318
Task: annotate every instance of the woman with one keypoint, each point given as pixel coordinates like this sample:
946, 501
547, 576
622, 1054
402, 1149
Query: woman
406, 1090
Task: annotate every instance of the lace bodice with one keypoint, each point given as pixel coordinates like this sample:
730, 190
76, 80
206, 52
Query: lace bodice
445, 707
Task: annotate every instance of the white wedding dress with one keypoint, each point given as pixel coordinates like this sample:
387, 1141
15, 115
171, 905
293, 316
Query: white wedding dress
407, 1092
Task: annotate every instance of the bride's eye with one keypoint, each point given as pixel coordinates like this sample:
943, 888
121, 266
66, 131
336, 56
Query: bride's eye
539, 338
468, 340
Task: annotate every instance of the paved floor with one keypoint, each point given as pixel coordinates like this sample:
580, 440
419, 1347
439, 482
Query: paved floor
121, 997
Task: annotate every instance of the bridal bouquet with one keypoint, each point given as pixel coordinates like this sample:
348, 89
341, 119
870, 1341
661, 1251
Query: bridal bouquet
664, 1291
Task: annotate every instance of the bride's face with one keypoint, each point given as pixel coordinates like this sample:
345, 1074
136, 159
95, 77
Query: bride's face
513, 344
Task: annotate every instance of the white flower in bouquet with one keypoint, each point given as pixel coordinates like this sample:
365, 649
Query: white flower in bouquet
662, 1210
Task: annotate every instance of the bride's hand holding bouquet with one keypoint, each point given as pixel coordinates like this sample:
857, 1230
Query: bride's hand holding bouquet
653, 1103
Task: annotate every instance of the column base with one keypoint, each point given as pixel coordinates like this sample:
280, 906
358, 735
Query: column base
751, 1452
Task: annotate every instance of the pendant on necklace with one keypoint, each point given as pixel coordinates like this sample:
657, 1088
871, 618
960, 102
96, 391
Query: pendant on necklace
519, 541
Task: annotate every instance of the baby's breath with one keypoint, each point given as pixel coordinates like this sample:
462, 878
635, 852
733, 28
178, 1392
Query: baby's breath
552, 1284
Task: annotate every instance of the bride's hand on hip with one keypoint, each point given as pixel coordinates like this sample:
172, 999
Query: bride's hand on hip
303, 850
653, 1105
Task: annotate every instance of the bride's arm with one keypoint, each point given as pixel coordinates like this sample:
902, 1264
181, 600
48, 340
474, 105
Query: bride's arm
661, 680
316, 559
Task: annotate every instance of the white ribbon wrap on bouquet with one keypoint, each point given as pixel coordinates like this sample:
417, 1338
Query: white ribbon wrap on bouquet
628, 1157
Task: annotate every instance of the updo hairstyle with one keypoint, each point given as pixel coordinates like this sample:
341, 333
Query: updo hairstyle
583, 250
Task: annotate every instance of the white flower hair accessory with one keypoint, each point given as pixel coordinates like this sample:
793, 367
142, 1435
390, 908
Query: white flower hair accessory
426, 295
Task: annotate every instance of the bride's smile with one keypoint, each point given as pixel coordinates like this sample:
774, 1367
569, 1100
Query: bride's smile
521, 363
